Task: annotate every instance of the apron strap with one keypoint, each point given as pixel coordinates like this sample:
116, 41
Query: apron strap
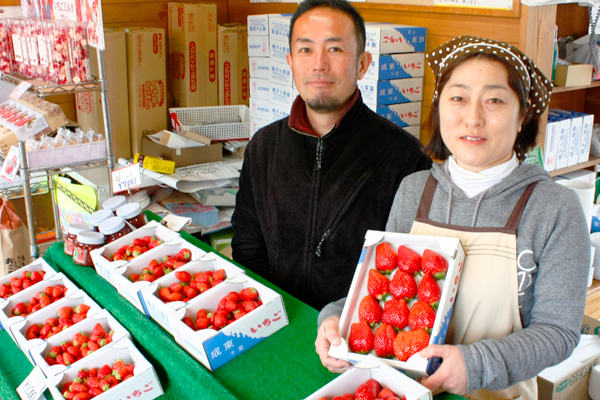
426, 199
515, 217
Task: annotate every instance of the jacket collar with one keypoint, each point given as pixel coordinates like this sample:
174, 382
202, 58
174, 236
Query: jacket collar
299, 122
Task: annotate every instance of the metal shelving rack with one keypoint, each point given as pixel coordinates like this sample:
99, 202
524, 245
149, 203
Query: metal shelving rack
43, 90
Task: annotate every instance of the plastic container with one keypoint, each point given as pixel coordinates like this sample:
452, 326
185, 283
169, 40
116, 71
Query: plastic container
114, 202
86, 242
114, 228
100, 216
74, 230
132, 213
205, 121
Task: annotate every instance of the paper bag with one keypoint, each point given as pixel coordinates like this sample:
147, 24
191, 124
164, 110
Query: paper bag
14, 239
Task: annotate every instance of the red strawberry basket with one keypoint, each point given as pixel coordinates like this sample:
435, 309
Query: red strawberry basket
401, 341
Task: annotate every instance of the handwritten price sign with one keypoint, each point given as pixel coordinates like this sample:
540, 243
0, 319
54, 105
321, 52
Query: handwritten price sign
33, 386
126, 177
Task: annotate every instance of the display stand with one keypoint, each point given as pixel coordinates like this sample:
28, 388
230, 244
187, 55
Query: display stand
43, 90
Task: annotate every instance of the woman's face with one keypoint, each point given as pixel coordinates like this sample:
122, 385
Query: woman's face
479, 114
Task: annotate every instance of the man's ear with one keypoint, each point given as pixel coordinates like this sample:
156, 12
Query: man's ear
364, 61
288, 58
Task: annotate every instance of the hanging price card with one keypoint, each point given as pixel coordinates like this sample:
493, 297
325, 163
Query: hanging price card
19, 90
126, 177
33, 386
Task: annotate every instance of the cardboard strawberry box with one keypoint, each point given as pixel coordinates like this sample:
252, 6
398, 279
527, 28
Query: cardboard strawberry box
100, 257
25, 296
159, 310
215, 348
131, 290
449, 248
103, 317
38, 265
20, 327
144, 385
373, 368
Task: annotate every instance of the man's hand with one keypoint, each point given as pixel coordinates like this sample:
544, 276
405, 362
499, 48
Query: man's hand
329, 336
451, 377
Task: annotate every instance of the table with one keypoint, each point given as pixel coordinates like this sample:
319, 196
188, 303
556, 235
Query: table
283, 366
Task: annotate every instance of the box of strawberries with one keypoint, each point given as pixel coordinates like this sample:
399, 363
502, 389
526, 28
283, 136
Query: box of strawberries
400, 300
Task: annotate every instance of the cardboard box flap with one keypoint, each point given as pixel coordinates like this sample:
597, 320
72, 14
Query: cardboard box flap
175, 141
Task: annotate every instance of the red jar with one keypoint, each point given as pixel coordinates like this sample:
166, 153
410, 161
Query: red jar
73, 230
132, 213
86, 242
99, 217
114, 228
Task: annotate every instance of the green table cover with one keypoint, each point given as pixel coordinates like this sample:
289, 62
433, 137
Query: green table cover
283, 366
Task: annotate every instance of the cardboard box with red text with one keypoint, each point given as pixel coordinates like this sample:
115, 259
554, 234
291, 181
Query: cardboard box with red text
233, 64
193, 54
185, 156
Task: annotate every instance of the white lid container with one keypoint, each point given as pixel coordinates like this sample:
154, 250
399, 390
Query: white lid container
100, 216
114, 202
90, 237
77, 228
112, 225
129, 210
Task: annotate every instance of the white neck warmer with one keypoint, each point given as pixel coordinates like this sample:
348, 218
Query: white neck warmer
474, 183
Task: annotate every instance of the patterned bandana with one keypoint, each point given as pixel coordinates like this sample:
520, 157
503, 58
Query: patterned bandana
537, 84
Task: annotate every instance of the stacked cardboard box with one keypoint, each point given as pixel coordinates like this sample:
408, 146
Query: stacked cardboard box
272, 89
393, 84
568, 138
233, 64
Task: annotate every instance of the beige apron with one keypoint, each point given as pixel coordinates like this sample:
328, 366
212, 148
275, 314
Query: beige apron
487, 304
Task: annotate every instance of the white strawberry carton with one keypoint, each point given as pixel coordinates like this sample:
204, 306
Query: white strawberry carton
131, 290
103, 317
100, 256
215, 348
25, 296
19, 328
373, 368
450, 248
160, 311
143, 386
38, 265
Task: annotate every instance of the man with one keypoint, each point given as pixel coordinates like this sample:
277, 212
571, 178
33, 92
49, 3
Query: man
313, 183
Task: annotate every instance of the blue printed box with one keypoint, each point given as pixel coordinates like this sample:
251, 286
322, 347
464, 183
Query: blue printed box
391, 38
281, 95
281, 74
258, 25
279, 26
279, 50
449, 248
258, 46
260, 88
381, 93
405, 114
215, 348
260, 67
396, 66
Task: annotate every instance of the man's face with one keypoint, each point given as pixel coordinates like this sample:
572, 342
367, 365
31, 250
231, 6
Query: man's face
324, 59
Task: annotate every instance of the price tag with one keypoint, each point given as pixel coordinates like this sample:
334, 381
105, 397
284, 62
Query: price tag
126, 177
19, 90
33, 386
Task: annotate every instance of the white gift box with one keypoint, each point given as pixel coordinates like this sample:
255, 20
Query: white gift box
396, 66
396, 91
390, 38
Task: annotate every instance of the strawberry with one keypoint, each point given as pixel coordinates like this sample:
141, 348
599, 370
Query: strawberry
368, 390
378, 285
183, 255
98, 330
429, 291
395, 313
369, 310
434, 264
93, 373
104, 371
56, 350
403, 286
52, 322
190, 292
68, 359
202, 323
104, 385
422, 315
154, 243
45, 300
383, 340
19, 309
188, 321
183, 276
78, 318
219, 321
82, 396
386, 259
65, 312
386, 393
140, 242
175, 296
82, 374
36, 276
95, 391
219, 274
248, 305
82, 309
58, 292
408, 343
25, 275
247, 293
74, 351
409, 260
175, 287
361, 338
164, 293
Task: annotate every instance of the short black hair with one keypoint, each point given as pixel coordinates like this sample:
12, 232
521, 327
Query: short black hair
339, 5
526, 138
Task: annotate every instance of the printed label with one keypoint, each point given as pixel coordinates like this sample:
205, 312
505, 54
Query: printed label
212, 65
193, 81
227, 83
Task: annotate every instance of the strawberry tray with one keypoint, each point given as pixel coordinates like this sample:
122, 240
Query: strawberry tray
144, 385
160, 311
103, 317
38, 265
450, 249
215, 348
373, 368
100, 257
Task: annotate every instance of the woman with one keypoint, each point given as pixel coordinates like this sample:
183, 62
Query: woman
523, 285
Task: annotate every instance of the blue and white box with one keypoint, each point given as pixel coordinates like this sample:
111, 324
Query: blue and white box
258, 25
279, 112
586, 133
260, 67
396, 66
564, 133
574, 137
260, 109
281, 95
281, 74
551, 145
260, 88
392, 38
279, 26
396, 91
405, 114
279, 51
258, 46
257, 124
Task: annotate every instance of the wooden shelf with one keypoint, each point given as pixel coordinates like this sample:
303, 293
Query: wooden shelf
592, 162
562, 89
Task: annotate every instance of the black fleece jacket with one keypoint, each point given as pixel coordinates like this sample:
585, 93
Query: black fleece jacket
305, 202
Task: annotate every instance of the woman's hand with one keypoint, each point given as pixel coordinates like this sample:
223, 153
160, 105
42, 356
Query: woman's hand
451, 376
329, 336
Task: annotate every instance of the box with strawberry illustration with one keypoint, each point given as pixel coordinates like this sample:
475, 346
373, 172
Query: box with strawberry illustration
37, 328
24, 278
67, 348
35, 298
373, 376
228, 320
394, 318
120, 372
106, 260
165, 295
140, 272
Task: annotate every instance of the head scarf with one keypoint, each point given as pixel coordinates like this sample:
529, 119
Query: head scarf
537, 85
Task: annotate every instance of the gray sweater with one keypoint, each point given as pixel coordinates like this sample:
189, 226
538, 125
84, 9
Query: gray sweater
554, 249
